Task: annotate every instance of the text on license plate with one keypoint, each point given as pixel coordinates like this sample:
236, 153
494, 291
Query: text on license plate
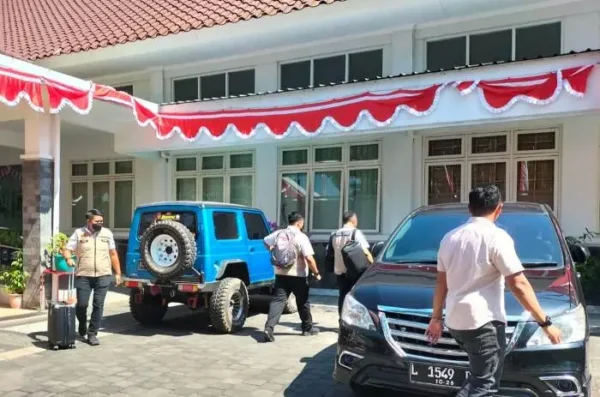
437, 375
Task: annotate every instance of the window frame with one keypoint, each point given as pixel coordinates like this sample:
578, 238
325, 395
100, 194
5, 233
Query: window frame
112, 177
199, 76
544, 157
344, 166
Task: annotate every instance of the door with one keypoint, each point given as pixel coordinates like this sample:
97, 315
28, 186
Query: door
259, 267
225, 240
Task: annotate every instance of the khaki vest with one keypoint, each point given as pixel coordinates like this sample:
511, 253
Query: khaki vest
93, 253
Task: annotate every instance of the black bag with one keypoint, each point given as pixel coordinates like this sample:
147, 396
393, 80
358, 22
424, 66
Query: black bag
354, 257
330, 255
61, 322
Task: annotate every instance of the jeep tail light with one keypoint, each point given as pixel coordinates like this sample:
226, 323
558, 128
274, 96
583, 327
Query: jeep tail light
133, 284
188, 288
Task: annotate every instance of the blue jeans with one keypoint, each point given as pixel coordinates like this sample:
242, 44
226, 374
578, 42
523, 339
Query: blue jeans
85, 286
486, 347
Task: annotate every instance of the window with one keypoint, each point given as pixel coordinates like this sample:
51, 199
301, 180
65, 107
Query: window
323, 182
125, 88
225, 226
332, 69
523, 171
255, 226
106, 186
221, 177
217, 85
501, 45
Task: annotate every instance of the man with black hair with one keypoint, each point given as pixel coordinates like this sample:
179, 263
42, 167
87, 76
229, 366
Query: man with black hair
95, 250
474, 260
293, 279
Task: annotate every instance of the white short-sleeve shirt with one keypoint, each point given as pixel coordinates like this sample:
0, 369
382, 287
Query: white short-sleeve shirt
476, 257
300, 269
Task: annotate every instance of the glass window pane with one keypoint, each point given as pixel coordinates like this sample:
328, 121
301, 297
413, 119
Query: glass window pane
488, 144
446, 54
294, 157
490, 47
101, 200
212, 189
79, 203
124, 167
295, 75
240, 190
185, 189
125, 88
186, 164
364, 152
535, 41
329, 70
212, 163
241, 82
365, 65
293, 195
243, 160
535, 181
327, 200
255, 226
362, 196
123, 204
101, 168
185, 89
226, 227
328, 155
79, 169
488, 174
536, 141
444, 184
445, 147
212, 86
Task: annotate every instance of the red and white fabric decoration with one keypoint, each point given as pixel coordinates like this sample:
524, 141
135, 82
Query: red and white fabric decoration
344, 114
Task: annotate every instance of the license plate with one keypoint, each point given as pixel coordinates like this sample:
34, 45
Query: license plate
437, 375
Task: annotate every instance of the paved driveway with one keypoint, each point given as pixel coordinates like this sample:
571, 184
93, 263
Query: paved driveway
184, 358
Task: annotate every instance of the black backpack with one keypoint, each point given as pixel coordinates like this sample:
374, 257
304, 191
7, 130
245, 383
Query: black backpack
354, 257
329, 255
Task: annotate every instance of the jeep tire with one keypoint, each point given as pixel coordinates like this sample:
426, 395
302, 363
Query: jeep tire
290, 305
149, 311
168, 249
229, 306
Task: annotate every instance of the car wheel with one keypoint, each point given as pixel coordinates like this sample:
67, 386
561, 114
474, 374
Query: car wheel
364, 391
149, 311
168, 249
229, 306
290, 305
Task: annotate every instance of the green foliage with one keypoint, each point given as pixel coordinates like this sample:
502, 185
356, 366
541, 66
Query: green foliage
58, 244
11, 238
14, 278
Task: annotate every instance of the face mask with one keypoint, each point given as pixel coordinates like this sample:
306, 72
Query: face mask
96, 227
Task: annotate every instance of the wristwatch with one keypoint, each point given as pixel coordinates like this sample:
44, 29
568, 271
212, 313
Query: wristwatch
547, 322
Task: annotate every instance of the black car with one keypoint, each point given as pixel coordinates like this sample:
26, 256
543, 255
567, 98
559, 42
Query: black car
381, 339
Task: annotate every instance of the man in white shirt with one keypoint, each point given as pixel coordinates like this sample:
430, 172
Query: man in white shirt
293, 279
338, 240
474, 260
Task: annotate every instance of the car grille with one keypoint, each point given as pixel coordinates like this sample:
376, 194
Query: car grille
407, 331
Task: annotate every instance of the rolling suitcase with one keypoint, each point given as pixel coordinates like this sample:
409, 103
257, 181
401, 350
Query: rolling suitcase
61, 321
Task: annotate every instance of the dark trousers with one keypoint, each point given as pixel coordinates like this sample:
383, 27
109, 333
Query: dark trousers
345, 284
486, 347
85, 286
284, 286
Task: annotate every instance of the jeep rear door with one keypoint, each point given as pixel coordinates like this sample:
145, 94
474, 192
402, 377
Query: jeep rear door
225, 240
260, 261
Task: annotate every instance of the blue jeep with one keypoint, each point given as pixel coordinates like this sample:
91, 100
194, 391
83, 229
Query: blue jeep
202, 254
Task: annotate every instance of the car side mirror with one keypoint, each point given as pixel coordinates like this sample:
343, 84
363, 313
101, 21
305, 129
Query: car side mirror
376, 250
579, 253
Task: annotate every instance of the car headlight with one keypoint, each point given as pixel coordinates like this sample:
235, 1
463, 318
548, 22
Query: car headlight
572, 325
354, 313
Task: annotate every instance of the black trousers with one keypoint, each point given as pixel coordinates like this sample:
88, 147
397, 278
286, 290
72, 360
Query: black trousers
345, 284
85, 286
284, 286
486, 347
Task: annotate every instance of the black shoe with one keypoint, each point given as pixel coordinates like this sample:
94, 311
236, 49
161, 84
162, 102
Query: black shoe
82, 330
268, 335
311, 332
93, 340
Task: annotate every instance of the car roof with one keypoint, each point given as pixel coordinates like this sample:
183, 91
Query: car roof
459, 208
200, 204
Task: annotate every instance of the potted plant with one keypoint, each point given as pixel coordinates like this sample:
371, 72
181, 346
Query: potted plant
14, 279
55, 248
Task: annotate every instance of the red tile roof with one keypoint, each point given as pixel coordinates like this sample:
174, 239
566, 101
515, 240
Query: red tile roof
37, 29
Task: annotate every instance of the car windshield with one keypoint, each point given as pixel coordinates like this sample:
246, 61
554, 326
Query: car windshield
418, 238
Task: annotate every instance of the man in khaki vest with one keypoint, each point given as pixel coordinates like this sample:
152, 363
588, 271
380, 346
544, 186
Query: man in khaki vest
95, 251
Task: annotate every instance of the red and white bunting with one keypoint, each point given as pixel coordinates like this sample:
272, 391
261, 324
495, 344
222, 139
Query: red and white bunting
344, 114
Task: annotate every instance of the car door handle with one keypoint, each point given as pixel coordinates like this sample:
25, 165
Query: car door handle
251, 249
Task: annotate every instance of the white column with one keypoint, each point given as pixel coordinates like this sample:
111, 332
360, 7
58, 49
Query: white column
157, 86
266, 77
402, 52
266, 185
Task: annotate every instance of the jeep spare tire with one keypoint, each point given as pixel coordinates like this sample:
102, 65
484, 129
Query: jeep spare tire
168, 249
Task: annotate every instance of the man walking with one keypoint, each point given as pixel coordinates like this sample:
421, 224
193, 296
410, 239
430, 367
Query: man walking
94, 247
349, 231
292, 279
474, 260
